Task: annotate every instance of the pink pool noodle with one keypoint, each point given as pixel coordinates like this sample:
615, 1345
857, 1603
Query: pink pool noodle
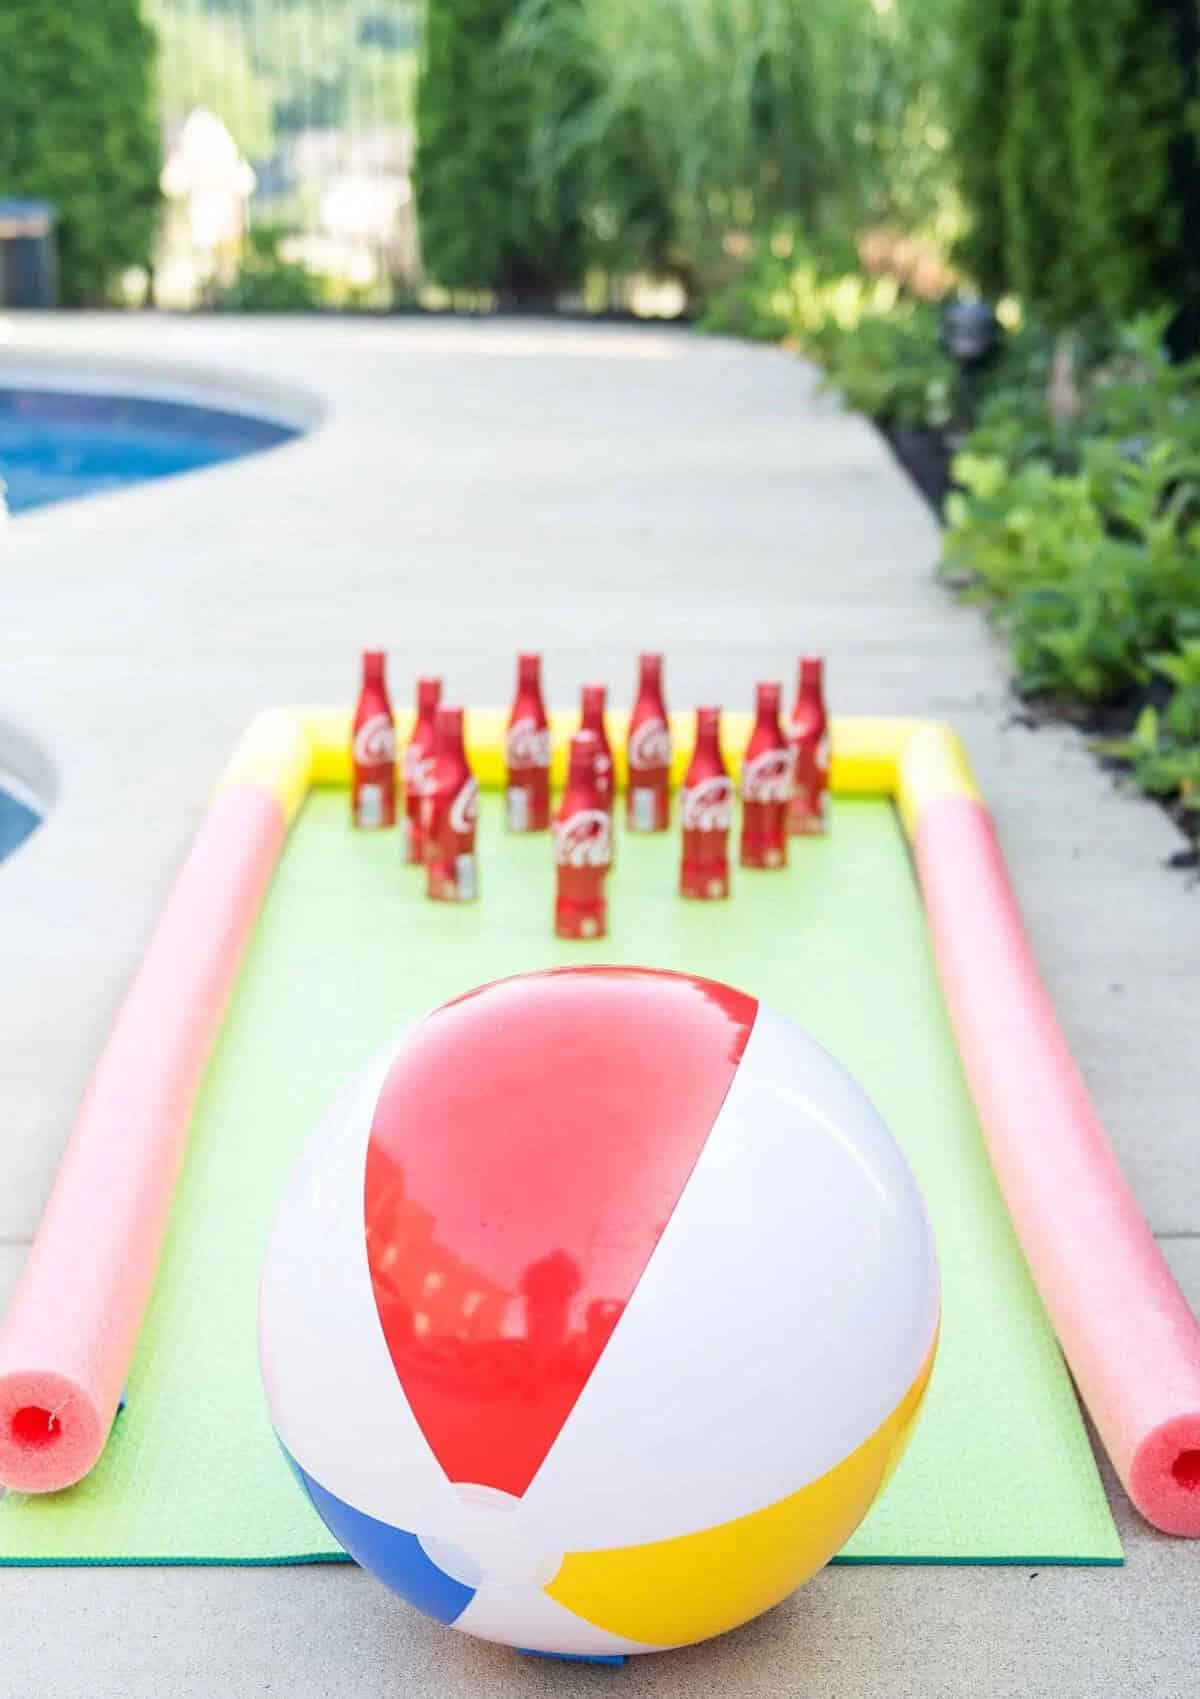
1129, 1337
68, 1339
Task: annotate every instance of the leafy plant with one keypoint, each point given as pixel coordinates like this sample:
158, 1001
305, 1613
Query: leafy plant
1181, 718
1093, 571
1163, 763
77, 128
267, 282
893, 368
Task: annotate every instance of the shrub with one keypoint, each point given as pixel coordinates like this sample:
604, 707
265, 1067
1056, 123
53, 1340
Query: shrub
893, 368
485, 223
587, 130
77, 128
267, 282
977, 84
689, 128
1163, 750
1040, 194
1125, 108
1092, 567
1064, 116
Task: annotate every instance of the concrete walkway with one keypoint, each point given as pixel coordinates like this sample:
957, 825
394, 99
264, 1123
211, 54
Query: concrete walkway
468, 489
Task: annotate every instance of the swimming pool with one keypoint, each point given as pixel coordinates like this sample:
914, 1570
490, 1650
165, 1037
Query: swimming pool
59, 444
20, 813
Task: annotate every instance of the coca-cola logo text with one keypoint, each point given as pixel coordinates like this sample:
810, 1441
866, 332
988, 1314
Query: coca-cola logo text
708, 806
528, 744
582, 839
419, 769
768, 777
812, 756
465, 809
375, 742
650, 745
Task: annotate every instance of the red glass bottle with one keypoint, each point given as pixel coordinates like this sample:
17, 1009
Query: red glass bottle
582, 846
593, 701
419, 769
648, 799
706, 814
766, 786
451, 812
373, 749
527, 751
808, 733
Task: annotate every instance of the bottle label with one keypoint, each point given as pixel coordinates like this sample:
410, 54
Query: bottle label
582, 839
464, 877
810, 802
527, 744
370, 806
708, 806
464, 809
768, 777
418, 771
643, 804
518, 809
375, 741
650, 745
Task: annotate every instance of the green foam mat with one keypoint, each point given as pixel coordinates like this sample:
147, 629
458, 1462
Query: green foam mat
346, 951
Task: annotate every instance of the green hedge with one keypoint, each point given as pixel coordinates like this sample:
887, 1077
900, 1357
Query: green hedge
77, 127
1064, 116
484, 222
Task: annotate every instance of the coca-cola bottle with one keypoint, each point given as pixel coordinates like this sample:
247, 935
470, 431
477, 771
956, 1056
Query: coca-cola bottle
648, 803
418, 769
450, 814
373, 749
582, 846
591, 719
706, 811
808, 733
527, 751
766, 786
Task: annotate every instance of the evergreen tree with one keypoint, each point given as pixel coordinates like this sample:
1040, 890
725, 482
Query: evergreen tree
77, 128
977, 99
485, 221
1043, 234
1124, 104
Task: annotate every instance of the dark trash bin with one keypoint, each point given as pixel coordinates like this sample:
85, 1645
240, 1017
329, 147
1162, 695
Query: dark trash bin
28, 254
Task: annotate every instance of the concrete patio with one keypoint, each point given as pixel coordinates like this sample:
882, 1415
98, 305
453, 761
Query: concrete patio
462, 490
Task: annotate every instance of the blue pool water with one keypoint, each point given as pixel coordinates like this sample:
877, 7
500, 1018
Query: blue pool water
17, 821
56, 445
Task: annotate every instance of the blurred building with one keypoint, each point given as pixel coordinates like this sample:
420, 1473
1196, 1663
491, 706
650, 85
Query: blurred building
314, 100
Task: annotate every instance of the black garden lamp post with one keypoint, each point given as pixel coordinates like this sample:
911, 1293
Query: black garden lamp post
971, 336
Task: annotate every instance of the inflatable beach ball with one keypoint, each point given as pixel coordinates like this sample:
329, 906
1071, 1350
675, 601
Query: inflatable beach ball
598, 1311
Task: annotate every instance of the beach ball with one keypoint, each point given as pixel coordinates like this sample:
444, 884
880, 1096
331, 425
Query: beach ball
598, 1311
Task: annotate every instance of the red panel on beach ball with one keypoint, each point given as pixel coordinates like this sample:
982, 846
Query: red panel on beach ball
528, 1148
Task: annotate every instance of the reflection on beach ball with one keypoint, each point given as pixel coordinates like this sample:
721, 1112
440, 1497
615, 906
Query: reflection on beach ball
598, 1311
